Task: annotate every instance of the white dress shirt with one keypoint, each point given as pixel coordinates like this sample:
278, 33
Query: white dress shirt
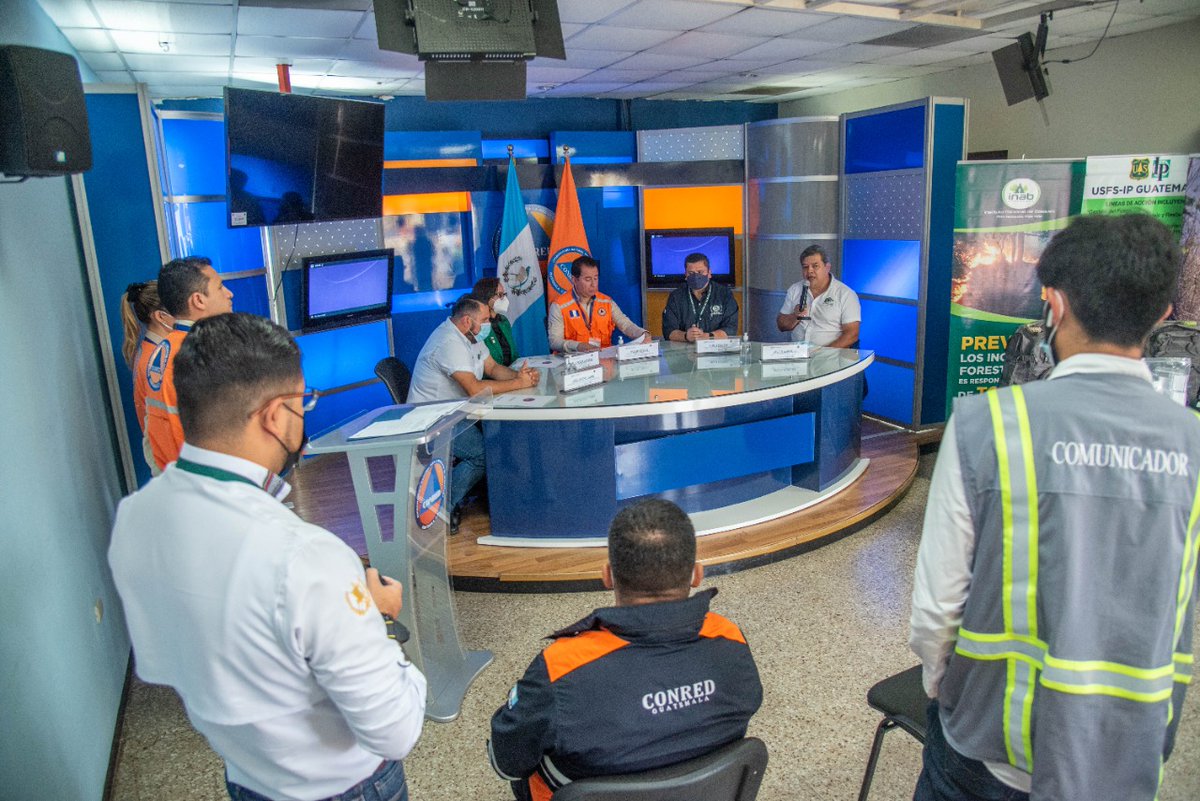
447, 351
264, 626
947, 550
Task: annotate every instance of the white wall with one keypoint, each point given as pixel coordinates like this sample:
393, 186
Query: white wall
1138, 93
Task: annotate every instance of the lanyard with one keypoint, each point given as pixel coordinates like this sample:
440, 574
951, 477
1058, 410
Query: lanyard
212, 472
587, 315
703, 306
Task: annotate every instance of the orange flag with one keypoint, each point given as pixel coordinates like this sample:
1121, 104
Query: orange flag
569, 240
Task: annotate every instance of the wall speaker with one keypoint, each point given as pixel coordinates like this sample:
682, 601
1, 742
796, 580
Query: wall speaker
43, 118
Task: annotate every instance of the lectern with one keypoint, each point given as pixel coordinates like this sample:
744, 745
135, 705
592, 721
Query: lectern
402, 486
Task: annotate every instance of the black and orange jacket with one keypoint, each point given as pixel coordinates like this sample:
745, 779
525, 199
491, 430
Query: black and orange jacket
627, 689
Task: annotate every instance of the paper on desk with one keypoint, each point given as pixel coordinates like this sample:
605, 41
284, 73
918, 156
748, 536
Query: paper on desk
540, 362
514, 400
416, 419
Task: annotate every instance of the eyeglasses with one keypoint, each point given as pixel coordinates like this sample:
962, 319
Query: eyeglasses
309, 397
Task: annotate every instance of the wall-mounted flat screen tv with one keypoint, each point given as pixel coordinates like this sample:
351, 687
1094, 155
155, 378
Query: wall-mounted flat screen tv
667, 248
346, 288
298, 158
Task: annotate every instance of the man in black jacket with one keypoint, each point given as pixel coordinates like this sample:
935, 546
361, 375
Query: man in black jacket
701, 309
655, 680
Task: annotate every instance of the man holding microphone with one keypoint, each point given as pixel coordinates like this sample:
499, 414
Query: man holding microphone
820, 309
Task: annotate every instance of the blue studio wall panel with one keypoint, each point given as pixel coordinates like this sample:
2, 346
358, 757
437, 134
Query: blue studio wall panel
124, 228
595, 147
188, 148
889, 329
404, 145
200, 229
250, 295
890, 392
333, 410
887, 267
342, 356
890, 140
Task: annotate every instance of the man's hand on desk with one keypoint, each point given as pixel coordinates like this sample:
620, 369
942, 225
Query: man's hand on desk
387, 593
531, 376
584, 347
694, 333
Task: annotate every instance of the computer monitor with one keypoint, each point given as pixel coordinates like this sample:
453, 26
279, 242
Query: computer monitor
346, 288
667, 248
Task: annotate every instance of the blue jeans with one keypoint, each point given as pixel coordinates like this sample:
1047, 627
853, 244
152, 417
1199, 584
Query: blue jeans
467, 448
385, 784
949, 776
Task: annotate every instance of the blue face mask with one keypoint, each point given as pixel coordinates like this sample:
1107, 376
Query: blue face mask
485, 330
696, 281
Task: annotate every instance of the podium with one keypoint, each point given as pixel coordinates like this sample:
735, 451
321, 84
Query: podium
402, 487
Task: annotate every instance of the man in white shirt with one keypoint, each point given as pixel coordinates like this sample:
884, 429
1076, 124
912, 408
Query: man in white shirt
1052, 604
455, 363
266, 626
820, 309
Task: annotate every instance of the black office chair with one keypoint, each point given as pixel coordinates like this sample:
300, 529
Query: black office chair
902, 700
731, 773
396, 377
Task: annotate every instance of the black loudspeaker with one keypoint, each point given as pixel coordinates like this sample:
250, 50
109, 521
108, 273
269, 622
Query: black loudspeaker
43, 118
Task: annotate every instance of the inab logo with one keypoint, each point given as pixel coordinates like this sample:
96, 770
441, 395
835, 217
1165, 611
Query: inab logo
1021, 193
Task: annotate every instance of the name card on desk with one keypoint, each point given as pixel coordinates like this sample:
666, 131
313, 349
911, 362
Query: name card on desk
589, 397
581, 361
792, 369
582, 378
644, 350
783, 351
719, 362
723, 345
637, 369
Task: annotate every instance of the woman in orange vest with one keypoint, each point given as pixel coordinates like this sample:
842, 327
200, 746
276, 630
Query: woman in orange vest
146, 322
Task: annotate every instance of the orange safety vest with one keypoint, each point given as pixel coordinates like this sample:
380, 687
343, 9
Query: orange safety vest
163, 428
141, 385
576, 325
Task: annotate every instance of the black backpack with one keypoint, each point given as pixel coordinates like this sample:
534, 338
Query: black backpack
1024, 359
1178, 338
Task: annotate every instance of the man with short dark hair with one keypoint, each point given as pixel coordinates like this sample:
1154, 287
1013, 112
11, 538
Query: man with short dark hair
266, 626
655, 680
820, 309
1052, 605
190, 290
701, 309
455, 363
586, 318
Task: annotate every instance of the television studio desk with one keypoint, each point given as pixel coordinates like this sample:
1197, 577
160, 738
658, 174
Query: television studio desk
732, 444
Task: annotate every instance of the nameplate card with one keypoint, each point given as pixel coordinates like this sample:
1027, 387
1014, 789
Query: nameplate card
720, 362
581, 361
783, 351
794, 369
723, 345
582, 378
637, 369
588, 397
643, 350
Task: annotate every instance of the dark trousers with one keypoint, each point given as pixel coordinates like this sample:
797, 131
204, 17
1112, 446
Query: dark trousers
947, 775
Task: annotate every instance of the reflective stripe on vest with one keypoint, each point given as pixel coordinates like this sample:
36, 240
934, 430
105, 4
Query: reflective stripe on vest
157, 404
1029, 661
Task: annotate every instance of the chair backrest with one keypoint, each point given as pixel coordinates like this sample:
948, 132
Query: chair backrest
731, 773
395, 376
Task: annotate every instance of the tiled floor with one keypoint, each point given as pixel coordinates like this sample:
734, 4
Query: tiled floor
824, 627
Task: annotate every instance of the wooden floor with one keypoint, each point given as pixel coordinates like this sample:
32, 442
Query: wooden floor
324, 495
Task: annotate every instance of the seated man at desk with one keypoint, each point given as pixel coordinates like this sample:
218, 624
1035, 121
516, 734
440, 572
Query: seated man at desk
456, 364
654, 680
820, 309
701, 309
585, 319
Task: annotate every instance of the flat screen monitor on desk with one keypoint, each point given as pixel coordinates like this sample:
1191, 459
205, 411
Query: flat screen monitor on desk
666, 250
346, 288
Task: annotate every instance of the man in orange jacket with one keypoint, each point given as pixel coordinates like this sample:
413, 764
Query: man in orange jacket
586, 318
190, 290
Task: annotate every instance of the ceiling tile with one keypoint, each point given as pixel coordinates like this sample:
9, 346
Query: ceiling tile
591, 59
136, 15
298, 47
580, 89
70, 13
801, 66
162, 62
920, 57
342, 83
179, 44
299, 66
614, 75
659, 61
191, 90
765, 22
603, 37
710, 45
89, 39
270, 80
688, 77
182, 78
784, 49
364, 69
853, 29
114, 76
554, 74
103, 61
863, 52
297, 22
589, 10
671, 15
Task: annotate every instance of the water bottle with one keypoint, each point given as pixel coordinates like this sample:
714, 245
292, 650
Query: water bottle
746, 348
620, 340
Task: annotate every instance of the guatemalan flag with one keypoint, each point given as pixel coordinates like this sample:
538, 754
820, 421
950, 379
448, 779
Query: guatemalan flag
517, 266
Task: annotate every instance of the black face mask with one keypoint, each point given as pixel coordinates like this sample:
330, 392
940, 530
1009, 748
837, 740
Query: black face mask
293, 456
696, 281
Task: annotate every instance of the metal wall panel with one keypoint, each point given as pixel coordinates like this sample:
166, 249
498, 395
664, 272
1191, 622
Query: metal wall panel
889, 205
713, 143
291, 243
805, 207
792, 148
783, 257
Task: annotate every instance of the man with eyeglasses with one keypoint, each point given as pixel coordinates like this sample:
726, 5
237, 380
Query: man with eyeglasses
267, 627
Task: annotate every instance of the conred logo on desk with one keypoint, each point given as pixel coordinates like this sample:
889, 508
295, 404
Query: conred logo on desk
430, 493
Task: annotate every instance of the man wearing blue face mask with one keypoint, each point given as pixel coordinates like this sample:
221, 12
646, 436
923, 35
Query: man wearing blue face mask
700, 309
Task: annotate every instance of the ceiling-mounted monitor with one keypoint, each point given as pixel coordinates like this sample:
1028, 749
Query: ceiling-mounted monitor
1020, 69
298, 158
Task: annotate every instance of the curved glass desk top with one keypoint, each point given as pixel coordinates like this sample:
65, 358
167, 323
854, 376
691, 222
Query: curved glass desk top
679, 380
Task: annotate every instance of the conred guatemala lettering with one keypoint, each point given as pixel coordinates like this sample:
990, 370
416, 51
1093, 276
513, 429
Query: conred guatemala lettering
1119, 457
679, 697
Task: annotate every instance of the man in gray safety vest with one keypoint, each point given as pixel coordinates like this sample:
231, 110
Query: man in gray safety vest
1052, 603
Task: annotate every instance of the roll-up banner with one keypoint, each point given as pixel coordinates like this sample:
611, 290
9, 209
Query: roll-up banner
1005, 214
1149, 184
1187, 304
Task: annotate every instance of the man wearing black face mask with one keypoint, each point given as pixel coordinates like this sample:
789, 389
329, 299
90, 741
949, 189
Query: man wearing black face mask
700, 309
267, 626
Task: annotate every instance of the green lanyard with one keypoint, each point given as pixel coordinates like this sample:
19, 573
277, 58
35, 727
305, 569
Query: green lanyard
212, 472
703, 306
